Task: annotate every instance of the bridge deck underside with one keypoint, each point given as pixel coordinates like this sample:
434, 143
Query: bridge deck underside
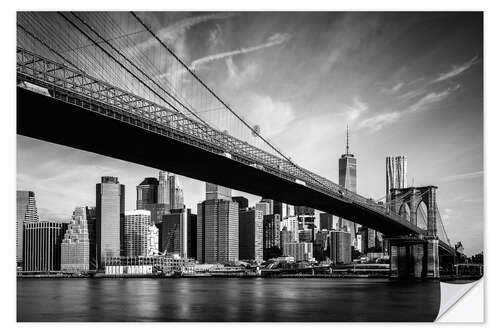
45, 118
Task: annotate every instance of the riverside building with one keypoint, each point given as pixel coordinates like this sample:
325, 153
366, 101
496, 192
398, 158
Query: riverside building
75, 246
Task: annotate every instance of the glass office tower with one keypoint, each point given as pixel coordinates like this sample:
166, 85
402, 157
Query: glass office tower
110, 209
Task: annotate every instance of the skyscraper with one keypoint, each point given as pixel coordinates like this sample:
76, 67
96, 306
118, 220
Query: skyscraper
305, 217
283, 209
173, 232
300, 251
271, 231
320, 246
75, 249
286, 236
306, 235
242, 202
110, 209
26, 213
250, 234
160, 195
340, 247
135, 233
147, 193
147, 198
192, 236
42, 246
90, 213
326, 221
163, 190
347, 179
292, 224
217, 226
219, 219
264, 207
304, 210
176, 194
395, 174
270, 202
152, 240
214, 191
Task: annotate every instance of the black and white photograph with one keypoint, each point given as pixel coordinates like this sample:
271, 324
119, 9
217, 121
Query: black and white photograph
247, 166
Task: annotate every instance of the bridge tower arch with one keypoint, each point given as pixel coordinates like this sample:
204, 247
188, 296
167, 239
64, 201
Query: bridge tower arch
412, 197
411, 257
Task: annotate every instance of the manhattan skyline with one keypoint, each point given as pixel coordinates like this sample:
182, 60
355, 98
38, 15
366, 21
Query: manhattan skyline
402, 89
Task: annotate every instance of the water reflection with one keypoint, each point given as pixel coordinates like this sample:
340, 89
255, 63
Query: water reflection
224, 299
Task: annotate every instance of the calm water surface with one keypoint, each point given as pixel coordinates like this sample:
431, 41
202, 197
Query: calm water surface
226, 299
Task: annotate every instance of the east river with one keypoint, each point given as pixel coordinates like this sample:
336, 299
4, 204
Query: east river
226, 299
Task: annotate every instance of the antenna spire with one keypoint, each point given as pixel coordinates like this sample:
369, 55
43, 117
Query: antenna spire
347, 145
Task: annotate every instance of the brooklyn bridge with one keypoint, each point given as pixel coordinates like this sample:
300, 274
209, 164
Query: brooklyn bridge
84, 81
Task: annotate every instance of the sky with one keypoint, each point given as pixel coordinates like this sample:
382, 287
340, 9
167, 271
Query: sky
406, 83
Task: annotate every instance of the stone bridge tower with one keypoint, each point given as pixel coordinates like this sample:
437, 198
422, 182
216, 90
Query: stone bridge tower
415, 255
409, 199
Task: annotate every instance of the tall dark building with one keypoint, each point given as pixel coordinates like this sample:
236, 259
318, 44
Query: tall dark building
250, 234
347, 179
371, 240
271, 231
306, 235
320, 246
242, 202
26, 213
173, 232
339, 245
92, 225
326, 221
110, 212
304, 210
282, 209
147, 192
192, 236
42, 246
286, 236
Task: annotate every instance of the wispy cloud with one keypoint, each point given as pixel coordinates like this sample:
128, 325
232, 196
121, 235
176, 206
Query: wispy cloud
356, 110
431, 98
424, 102
394, 89
456, 70
463, 176
276, 39
271, 115
237, 77
170, 33
376, 123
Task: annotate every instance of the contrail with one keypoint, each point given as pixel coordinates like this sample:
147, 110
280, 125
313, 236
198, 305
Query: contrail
275, 39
